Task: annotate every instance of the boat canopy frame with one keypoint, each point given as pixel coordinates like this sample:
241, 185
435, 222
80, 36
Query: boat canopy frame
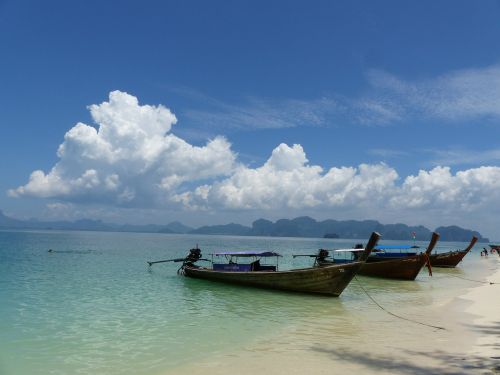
256, 255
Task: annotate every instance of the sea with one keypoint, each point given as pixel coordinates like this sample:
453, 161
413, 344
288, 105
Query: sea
92, 305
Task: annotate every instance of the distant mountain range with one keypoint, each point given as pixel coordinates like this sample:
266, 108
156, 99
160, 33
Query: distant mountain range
88, 224
299, 227
307, 227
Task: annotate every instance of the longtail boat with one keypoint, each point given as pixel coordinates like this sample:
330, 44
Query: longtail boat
404, 268
451, 259
328, 280
392, 265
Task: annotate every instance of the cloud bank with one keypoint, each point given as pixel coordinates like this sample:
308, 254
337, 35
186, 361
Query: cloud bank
287, 181
131, 159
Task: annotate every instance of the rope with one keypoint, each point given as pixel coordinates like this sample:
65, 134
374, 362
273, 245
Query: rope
395, 315
428, 263
476, 281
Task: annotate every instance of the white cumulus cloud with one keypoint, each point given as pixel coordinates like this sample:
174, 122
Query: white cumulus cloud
466, 191
287, 181
129, 158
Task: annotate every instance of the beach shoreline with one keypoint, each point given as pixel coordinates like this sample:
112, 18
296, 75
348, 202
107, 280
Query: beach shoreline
485, 308
468, 344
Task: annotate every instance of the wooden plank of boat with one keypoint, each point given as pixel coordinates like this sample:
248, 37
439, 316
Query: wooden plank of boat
329, 280
404, 268
451, 259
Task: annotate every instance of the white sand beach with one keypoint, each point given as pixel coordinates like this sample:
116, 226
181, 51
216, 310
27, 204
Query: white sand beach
485, 308
375, 341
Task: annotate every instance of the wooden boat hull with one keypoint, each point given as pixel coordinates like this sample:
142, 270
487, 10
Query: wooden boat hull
400, 268
447, 260
329, 280
406, 268
451, 258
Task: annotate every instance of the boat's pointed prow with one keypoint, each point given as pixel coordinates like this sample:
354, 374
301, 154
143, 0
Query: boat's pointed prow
426, 255
451, 258
432, 244
372, 242
472, 243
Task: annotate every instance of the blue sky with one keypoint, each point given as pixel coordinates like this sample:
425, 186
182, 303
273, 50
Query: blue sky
411, 90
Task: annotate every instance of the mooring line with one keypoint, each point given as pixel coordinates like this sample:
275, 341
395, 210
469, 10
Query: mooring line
395, 315
476, 281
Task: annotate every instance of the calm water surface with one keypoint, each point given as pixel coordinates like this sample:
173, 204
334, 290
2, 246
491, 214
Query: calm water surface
93, 305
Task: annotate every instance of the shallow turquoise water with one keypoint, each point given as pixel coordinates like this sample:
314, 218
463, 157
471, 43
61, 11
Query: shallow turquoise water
93, 305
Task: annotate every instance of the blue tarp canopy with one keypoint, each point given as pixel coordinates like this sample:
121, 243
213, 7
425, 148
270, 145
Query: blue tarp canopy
249, 253
392, 247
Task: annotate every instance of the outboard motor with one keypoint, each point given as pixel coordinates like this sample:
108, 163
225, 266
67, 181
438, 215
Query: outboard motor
193, 256
322, 254
321, 260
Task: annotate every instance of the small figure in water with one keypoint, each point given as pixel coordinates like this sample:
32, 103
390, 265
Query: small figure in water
50, 251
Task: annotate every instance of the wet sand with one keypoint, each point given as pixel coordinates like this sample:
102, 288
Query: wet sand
372, 340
